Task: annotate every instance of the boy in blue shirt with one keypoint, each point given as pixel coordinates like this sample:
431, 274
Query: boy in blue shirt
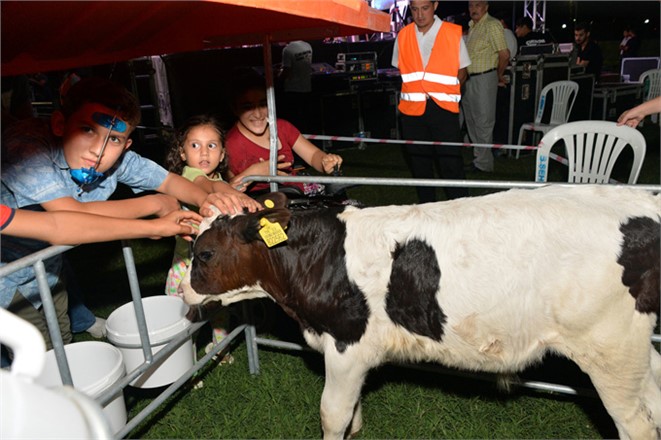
75, 165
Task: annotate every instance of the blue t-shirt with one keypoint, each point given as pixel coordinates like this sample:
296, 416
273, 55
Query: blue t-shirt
34, 171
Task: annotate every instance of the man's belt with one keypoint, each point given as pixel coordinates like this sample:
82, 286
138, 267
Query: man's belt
481, 73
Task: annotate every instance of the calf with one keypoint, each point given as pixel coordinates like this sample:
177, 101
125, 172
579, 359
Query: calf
489, 283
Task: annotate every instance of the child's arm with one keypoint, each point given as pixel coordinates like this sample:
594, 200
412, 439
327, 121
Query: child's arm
260, 168
65, 227
316, 158
633, 116
224, 197
153, 204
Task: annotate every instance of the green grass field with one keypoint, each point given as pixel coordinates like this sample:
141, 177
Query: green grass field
283, 401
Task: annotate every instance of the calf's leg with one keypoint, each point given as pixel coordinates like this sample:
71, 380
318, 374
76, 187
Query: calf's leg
357, 422
345, 375
655, 362
618, 361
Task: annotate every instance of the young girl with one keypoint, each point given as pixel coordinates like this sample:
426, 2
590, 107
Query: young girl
198, 154
248, 141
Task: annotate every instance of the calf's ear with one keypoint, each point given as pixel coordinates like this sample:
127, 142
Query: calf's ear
277, 200
277, 215
251, 222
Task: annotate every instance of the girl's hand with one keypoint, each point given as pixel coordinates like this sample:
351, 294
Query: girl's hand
260, 168
331, 162
236, 183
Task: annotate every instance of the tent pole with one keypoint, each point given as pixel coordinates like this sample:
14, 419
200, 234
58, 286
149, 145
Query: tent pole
270, 100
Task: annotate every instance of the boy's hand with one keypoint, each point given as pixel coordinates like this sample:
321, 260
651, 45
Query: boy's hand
180, 222
229, 203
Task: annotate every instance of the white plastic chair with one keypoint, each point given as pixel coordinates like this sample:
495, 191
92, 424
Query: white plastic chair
592, 148
564, 93
653, 77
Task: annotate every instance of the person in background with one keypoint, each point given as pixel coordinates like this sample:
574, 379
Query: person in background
490, 56
633, 116
198, 154
500, 129
630, 44
623, 43
510, 37
248, 141
588, 53
74, 164
71, 228
297, 82
431, 56
526, 36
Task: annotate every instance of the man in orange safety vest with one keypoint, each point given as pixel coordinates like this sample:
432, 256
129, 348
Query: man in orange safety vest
432, 60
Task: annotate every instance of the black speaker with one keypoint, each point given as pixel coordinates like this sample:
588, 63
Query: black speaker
379, 110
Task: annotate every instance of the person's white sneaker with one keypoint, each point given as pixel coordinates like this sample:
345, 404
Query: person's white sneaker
98, 329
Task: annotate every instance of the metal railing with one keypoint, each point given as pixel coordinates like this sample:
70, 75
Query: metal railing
36, 261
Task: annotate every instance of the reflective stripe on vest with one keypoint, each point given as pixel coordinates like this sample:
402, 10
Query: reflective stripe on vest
431, 77
421, 97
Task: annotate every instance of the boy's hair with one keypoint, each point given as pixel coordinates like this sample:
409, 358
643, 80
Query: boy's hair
173, 162
105, 92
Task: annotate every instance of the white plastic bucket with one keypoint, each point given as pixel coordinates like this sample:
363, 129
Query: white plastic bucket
95, 367
166, 318
28, 410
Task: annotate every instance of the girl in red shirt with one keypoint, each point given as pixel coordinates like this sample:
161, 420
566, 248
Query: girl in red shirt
248, 142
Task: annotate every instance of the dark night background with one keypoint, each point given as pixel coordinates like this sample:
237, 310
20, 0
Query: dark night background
608, 17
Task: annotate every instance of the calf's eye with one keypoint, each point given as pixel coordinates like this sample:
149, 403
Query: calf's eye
205, 256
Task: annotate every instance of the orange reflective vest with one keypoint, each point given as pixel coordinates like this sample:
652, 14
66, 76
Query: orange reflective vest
439, 79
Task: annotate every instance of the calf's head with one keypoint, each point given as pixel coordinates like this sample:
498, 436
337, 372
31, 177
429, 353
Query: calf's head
230, 258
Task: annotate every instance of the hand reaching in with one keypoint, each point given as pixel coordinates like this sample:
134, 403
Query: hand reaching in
178, 222
331, 162
229, 203
260, 168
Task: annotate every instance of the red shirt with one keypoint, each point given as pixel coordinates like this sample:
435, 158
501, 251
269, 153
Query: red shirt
242, 152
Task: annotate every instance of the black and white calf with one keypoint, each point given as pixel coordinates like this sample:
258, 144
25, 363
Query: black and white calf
489, 283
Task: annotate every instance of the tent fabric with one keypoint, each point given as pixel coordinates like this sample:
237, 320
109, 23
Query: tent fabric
40, 36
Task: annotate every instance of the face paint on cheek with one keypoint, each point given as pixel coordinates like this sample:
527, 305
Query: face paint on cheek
110, 122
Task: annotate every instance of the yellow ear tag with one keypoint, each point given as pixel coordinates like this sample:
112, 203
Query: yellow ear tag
269, 203
272, 233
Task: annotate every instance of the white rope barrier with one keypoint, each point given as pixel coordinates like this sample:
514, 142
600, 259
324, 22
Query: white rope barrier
411, 142
320, 137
